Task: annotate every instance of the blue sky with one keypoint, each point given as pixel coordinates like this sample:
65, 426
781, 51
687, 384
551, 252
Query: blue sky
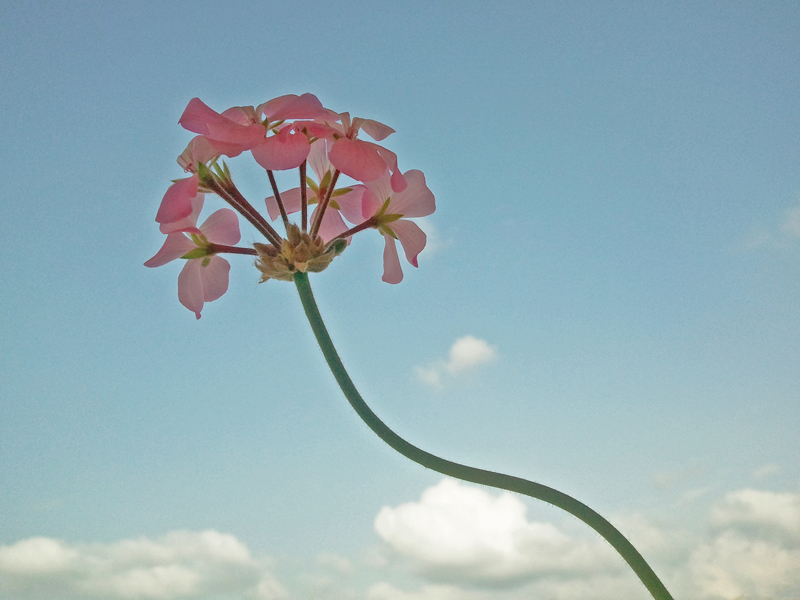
617, 226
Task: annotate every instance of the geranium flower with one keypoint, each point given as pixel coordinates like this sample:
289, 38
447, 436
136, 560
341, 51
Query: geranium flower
204, 277
389, 209
361, 160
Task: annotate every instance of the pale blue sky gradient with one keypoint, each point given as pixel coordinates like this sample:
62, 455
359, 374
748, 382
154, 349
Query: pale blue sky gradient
618, 197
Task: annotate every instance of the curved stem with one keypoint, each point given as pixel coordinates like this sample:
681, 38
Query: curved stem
463, 472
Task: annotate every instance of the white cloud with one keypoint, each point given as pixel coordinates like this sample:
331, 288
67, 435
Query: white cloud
760, 511
466, 354
459, 533
181, 564
734, 565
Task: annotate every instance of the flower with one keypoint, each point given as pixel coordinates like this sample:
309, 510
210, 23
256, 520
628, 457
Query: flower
204, 277
388, 209
363, 161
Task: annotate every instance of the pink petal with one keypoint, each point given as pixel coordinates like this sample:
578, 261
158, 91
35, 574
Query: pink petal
222, 227
243, 115
199, 150
370, 203
177, 202
411, 237
315, 129
332, 225
377, 131
357, 159
187, 224
350, 205
392, 272
292, 106
196, 117
287, 150
398, 181
318, 158
175, 246
416, 200
201, 119
292, 202
214, 277
190, 286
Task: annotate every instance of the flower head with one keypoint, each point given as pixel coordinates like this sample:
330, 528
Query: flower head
286, 132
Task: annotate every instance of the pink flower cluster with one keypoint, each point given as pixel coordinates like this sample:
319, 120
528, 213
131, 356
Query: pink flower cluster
287, 132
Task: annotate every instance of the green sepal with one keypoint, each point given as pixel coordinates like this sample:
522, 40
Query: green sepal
387, 231
196, 253
326, 181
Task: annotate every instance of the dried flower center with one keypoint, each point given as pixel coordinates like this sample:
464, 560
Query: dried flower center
299, 252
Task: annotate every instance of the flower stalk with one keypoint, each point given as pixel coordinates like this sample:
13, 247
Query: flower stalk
466, 473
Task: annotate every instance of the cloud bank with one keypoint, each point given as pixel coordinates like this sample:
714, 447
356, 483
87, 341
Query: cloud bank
471, 544
182, 564
457, 542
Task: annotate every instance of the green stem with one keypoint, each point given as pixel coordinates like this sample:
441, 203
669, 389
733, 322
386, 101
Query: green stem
463, 472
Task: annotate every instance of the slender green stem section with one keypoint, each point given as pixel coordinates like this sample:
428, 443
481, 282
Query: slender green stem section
463, 472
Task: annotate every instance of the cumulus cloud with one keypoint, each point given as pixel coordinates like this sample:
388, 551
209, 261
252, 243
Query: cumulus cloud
466, 354
181, 564
459, 533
